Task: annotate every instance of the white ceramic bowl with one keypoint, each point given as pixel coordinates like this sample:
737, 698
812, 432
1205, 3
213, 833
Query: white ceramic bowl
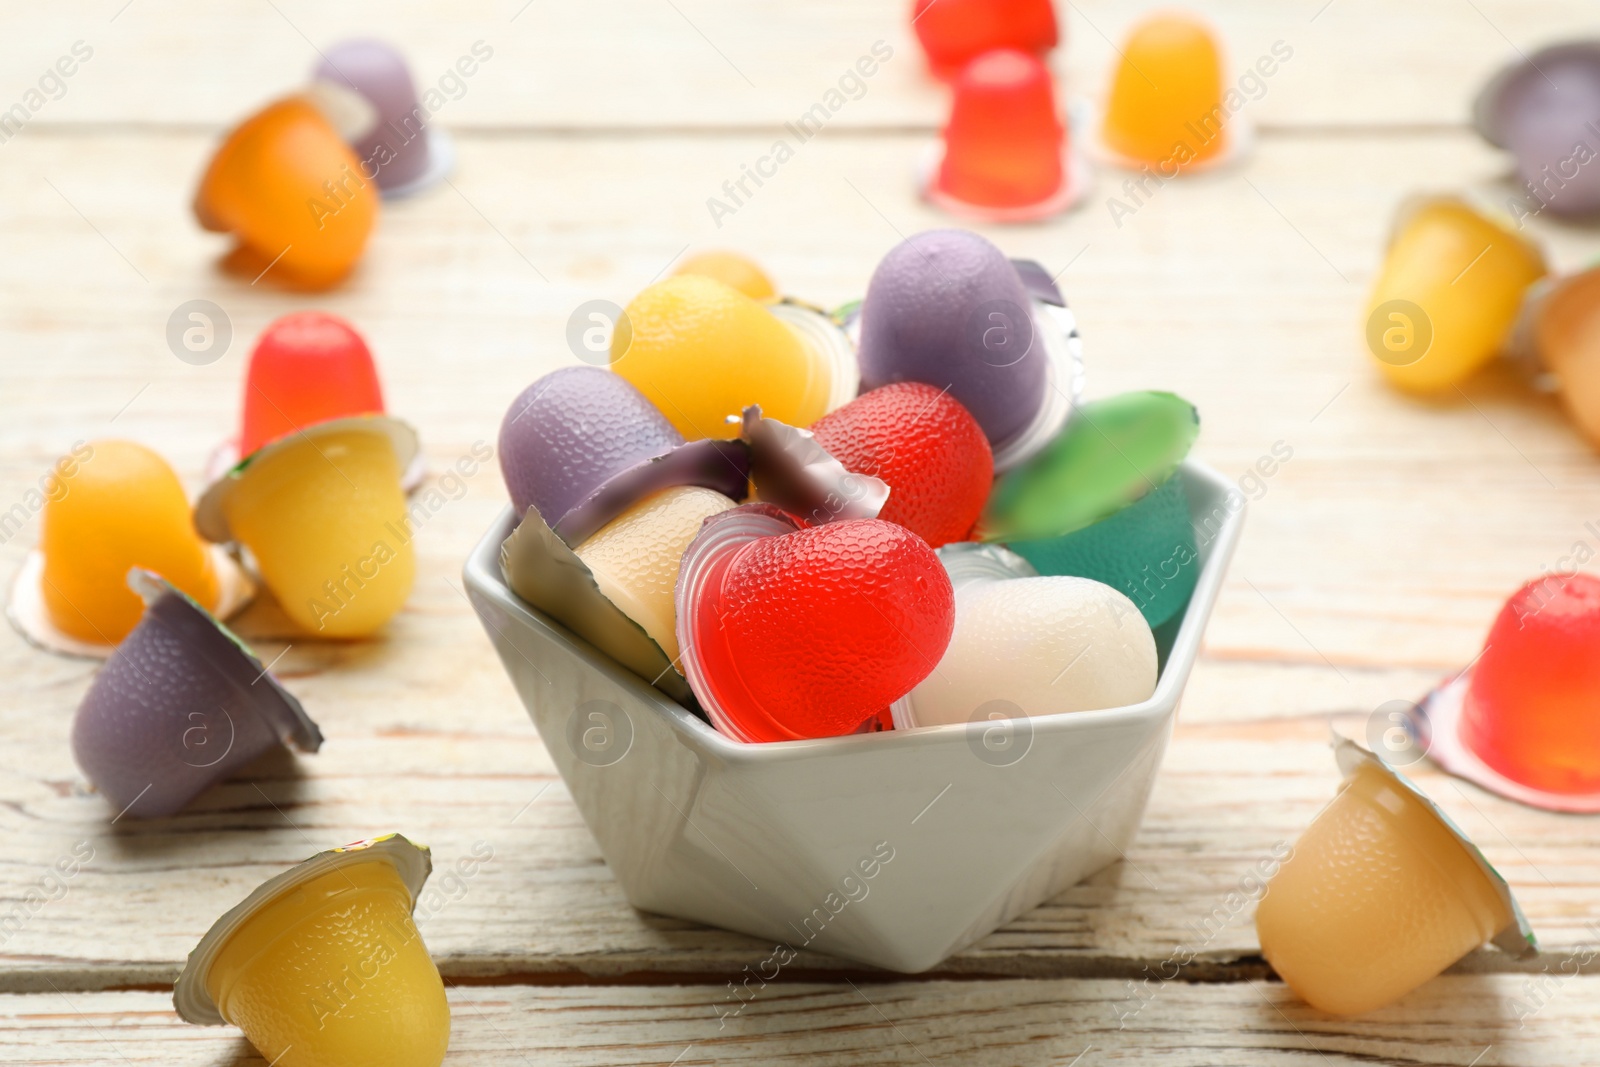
892, 849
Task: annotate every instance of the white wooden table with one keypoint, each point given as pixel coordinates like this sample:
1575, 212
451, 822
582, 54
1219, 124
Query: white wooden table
1372, 562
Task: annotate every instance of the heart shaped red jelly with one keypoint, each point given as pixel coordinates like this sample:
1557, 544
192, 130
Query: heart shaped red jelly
926, 446
809, 632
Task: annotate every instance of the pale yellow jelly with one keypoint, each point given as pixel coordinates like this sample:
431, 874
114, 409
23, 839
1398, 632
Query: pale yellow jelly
635, 557
117, 508
326, 521
332, 973
1378, 897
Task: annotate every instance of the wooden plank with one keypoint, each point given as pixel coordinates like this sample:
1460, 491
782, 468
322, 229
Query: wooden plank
1453, 1020
645, 64
1370, 564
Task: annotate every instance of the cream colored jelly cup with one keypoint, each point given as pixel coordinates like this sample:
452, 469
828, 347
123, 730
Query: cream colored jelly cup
635, 557
322, 512
1381, 893
322, 966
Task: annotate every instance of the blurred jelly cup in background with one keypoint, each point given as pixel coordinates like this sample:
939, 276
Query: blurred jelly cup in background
324, 517
581, 445
789, 633
1104, 501
1521, 720
1165, 105
1004, 153
183, 705
929, 450
386, 125
734, 270
1381, 893
307, 367
1566, 340
1066, 644
1449, 292
322, 965
1542, 109
954, 32
292, 193
702, 351
118, 505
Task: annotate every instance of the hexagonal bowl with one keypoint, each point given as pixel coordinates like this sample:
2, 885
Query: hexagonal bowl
891, 849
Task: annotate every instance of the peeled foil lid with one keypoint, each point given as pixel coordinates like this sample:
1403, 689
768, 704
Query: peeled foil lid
1516, 939
793, 471
232, 658
411, 861
1435, 726
541, 569
210, 514
712, 464
26, 610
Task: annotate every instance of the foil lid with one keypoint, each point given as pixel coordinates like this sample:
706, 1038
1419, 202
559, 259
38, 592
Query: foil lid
1516, 938
713, 464
794, 472
541, 569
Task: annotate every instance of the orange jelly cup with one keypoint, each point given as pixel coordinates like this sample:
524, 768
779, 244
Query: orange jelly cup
294, 194
1381, 893
1165, 106
322, 966
1566, 333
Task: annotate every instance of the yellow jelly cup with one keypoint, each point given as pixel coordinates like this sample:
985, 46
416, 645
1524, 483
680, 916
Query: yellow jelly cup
635, 557
1451, 286
1381, 893
322, 966
324, 516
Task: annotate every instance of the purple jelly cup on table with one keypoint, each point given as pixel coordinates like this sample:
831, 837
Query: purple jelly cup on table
947, 308
381, 117
581, 445
181, 705
1545, 110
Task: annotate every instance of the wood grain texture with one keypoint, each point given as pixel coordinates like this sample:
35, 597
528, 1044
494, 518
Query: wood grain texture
1457, 1020
719, 64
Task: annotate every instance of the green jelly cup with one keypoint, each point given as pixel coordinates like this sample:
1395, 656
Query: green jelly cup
1146, 551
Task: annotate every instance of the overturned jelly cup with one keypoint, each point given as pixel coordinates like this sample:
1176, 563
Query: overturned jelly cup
182, 705
1381, 893
322, 966
392, 137
323, 514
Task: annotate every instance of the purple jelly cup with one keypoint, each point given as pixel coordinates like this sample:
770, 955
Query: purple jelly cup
1545, 110
391, 135
947, 308
581, 445
182, 705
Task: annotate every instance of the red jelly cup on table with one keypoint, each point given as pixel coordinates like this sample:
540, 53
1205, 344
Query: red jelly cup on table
307, 367
791, 632
953, 32
1524, 719
1005, 154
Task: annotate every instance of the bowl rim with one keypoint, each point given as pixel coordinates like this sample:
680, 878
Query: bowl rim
482, 576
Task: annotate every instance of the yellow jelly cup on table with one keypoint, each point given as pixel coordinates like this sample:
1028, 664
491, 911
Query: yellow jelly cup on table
702, 352
322, 966
322, 512
1381, 893
1451, 287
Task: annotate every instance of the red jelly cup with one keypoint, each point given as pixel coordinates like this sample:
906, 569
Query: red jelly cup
1522, 721
307, 367
789, 632
1005, 154
953, 32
